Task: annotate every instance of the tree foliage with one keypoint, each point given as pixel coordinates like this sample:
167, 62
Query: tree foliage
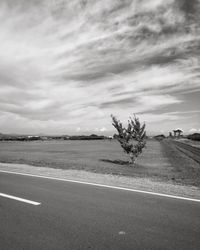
135, 132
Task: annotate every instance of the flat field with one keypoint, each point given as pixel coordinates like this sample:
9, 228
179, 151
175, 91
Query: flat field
160, 161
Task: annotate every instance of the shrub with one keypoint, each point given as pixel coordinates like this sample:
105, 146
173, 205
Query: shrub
126, 137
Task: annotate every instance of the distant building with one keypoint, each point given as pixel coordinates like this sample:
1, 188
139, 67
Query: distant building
110, 137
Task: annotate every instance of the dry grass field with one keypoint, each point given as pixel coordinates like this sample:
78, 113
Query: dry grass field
160, 161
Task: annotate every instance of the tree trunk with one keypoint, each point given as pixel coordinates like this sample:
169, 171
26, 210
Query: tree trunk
132, 159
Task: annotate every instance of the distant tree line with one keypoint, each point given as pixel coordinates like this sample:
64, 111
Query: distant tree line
87, 137
194, 137
4, 137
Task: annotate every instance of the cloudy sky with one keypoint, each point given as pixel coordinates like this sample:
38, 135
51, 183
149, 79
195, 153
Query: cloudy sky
65, 66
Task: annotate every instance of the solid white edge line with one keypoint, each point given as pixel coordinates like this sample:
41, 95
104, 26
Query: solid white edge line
106, 186
20, 199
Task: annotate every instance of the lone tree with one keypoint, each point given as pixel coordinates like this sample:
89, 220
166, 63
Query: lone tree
135, 132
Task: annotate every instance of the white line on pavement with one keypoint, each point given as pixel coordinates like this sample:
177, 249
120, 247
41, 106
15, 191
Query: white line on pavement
106, 186
20, 199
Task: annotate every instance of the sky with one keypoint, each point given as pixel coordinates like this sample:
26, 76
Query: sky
66, 66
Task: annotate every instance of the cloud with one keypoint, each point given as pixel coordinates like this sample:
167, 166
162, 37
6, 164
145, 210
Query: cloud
68, 63
103, 129
194, 130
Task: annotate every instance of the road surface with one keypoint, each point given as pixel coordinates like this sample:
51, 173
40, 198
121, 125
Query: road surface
76, 216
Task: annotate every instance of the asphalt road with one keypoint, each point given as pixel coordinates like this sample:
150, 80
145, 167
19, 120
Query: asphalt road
76, 216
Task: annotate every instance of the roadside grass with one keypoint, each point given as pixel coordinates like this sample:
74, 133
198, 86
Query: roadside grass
159, 162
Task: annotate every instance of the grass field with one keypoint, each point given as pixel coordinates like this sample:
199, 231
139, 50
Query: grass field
160, 161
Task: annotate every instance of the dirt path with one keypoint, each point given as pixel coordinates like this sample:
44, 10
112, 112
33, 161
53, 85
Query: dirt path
185, 169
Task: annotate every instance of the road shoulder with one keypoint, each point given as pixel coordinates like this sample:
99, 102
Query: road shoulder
105, 179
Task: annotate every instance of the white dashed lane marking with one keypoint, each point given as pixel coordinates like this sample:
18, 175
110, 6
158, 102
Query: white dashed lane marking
19, 199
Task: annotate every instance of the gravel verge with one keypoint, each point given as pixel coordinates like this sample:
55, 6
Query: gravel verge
145, 184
